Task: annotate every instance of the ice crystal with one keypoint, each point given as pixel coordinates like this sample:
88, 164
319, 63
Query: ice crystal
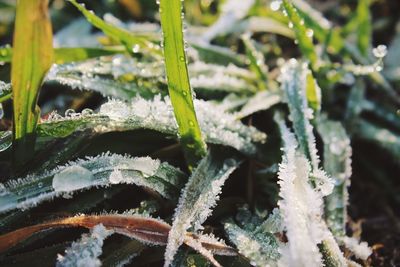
197, 200
360, 249
86, 251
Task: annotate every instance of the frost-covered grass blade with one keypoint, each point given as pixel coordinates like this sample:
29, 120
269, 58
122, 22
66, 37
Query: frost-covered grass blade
198, 198
104, 170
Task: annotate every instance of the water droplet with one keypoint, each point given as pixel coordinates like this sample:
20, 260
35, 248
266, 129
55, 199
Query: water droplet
87, 111
191, 123
136, 48
40, 184
380, 51
72, 178
290, 25
182, 58
69, 112
309, 33
275, 5
334, 148
184, 93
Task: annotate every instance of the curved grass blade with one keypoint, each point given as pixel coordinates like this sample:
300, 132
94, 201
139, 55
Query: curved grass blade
178, 81
156, 115
303, 36
199, 196
104, 170
145, 229
132, 42
31, 59
69, 54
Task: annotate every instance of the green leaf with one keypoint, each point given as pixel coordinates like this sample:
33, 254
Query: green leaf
103, 170
69, 54
337, 164
132, 42
313, 93
361, 26
302, 34
178, 80
257, 60
294, 85
199, 197
31, 59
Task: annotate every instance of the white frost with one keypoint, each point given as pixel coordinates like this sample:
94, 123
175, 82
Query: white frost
85, 252
360, 249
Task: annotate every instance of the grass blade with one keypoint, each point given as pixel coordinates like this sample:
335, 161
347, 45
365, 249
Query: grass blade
178, 80
303, 36
133, 43
337, 163
31, 59
198, 197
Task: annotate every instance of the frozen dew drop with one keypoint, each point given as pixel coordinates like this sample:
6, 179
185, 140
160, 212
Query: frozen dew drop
87, 111
69, 112
290, 25
378, 68
309, 33
380, 51
275, 5
72, 178
136, 48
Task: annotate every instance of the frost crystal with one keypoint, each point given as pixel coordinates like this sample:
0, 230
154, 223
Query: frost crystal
199, 196
360, 249
86, 251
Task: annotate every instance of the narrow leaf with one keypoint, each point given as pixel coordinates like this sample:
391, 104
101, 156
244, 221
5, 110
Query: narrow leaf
156, 115
303, 36
199, 196
144, 229
178, 80
31, 59
132, 42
